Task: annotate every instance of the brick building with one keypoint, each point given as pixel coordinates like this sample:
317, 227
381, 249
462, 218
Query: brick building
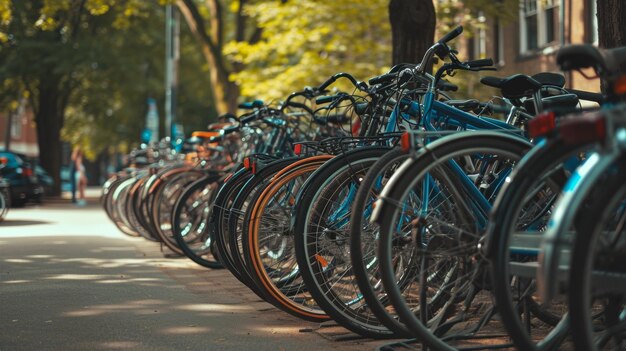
528, 44
18, 132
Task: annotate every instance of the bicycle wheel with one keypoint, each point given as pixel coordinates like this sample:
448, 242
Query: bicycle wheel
518, 219
190, 218
144, 201
174, 182
322, 224
218, 220
238, 209
118, 201
597, 297
451, 183
131, 209
364, 237
269, 243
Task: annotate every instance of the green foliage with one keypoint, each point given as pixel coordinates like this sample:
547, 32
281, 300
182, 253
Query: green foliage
108, 58
305, 41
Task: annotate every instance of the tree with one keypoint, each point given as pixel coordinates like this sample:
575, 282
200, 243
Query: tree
297, 50
50, 46
611, 23
110, 107
412, 29
83, 63
211, 39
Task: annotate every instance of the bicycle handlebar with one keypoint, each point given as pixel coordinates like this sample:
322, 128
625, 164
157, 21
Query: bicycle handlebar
359, 85
451, 35
585, 95
480, 63
384, 78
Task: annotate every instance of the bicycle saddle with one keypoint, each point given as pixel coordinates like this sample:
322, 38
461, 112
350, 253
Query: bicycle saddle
545, 78
494, 82
518, 86
609, 61
550, 78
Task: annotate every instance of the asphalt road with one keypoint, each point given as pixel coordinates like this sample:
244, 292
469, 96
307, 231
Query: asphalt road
69, 280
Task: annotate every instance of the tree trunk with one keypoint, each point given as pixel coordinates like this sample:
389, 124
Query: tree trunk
611, 23
412, 29
49, 119
611, 26
225, 92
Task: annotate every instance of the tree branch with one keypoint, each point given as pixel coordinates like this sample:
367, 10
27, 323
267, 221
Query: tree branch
256, 36
217, 25
195, 21
241, 22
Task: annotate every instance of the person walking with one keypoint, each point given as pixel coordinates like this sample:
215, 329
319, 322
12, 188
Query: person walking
80, 177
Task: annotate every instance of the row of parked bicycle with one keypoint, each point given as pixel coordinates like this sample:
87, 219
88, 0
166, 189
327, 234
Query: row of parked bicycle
399, 212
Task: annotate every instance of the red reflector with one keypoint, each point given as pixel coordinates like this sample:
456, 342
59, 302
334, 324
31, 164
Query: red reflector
297, 149
583, 129
356, 127
541, 125
619, 88
253, 166
28, 172
405, 142
246, 163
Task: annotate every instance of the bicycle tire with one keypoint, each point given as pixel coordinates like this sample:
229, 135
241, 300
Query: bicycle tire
599, 251
317, 236
363, 249
529, 175
424, 163
298, 304
210, 183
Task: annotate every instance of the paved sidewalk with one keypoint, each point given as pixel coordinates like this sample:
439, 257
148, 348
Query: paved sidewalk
69, 280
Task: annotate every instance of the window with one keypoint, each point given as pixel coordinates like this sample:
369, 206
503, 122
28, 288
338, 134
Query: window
539, 24
499, 43
593, 22
479, 41
551, 20
529, 25
16, 125
18, 119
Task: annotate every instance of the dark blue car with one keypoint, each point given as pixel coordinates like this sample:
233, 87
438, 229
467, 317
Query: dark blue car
23, 181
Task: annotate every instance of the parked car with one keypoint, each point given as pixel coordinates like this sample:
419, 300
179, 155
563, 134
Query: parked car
43, 177
24, 184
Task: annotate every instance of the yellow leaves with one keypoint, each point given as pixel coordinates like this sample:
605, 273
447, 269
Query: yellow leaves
46, 23
53, 11
234, 6
305, 41
98, 7
5, 12
49, 11
5, 18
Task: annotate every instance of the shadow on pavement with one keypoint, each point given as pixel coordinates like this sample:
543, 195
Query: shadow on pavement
19, 222
97, 293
